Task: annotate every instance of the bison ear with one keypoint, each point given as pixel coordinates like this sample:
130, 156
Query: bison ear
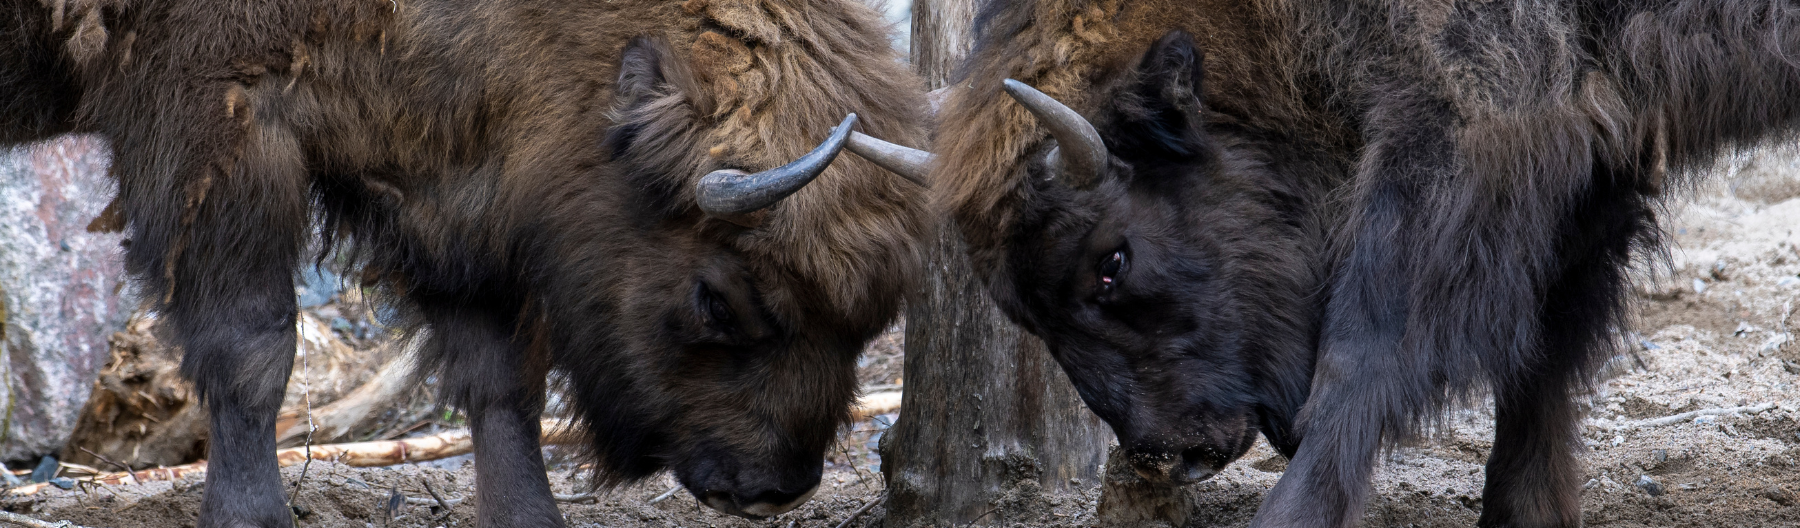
1158, 115
651, 83
641, 76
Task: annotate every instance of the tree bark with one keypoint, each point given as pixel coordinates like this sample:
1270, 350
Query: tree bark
990, 430
941, 38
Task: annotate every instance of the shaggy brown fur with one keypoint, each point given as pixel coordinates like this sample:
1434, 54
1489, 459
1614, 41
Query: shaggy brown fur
523, 183
1473, 177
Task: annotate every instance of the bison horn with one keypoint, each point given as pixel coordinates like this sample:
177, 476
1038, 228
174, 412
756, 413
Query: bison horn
733, 193
1079, 154
910, 163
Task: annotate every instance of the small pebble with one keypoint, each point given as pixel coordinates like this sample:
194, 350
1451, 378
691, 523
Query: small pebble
1699, 286
1661, 455
63, 482
1649, 485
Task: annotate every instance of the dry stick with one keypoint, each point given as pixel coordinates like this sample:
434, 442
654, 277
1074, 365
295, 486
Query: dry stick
306, 389
434, 494
859, 511
134, 477
666, 494
1678, 418
21, 520
578, 497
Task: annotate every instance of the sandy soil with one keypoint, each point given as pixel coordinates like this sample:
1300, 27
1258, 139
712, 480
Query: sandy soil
1712, 333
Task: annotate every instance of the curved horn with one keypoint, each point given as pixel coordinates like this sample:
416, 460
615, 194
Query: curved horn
909, 163
1079, 154
730, 193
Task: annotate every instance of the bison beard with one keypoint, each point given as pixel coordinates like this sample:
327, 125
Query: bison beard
526, 180
1380, 209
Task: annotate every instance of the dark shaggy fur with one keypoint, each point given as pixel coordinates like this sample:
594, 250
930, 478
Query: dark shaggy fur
519, 174
1468, 179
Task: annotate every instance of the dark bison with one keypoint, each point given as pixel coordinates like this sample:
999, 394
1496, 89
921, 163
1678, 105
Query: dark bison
527, 177
1331, 220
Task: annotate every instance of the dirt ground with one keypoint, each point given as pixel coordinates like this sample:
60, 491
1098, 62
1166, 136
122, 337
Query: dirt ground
1712, 334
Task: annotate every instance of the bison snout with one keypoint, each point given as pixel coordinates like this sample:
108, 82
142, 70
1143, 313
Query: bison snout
762, 505
1170, 468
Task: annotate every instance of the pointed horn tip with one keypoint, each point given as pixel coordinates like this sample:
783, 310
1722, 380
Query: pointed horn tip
731, 192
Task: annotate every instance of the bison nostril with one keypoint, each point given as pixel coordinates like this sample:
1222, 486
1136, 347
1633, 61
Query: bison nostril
721, 502
1193, 471
763, 505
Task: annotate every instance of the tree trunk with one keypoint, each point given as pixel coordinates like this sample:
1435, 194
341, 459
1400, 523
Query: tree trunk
941, 38
990, 430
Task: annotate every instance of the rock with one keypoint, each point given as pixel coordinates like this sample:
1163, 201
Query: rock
1649, 485
1660, 455
317, 286
1778, 494
60, 289
46, 468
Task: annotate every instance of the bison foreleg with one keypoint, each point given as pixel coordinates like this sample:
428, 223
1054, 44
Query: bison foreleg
489, 373
1533, 478
224, 269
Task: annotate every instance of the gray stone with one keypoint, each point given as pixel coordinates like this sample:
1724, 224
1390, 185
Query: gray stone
60, 286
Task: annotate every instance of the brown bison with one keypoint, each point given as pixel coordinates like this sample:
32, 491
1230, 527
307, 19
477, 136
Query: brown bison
528, 179
1331, 220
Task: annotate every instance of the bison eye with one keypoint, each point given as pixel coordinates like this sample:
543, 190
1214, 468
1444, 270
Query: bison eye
713, 307
1109, 271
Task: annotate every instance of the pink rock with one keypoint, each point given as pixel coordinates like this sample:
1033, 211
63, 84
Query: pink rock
61, 287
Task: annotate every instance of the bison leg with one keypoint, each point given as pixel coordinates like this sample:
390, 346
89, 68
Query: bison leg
489, 375
1533, 477
1365, 384
228, 301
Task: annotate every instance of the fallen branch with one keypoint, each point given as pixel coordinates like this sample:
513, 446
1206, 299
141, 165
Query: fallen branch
351, 412
21, 520
427, 448
665, 495
119, 479
859, 511
876, 404
1690, 415
127, 469
384, 453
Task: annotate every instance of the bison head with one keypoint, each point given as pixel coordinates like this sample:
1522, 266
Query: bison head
1151, 253
753, 271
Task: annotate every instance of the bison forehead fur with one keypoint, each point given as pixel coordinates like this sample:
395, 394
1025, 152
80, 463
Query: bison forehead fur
523, 175
1443, 196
